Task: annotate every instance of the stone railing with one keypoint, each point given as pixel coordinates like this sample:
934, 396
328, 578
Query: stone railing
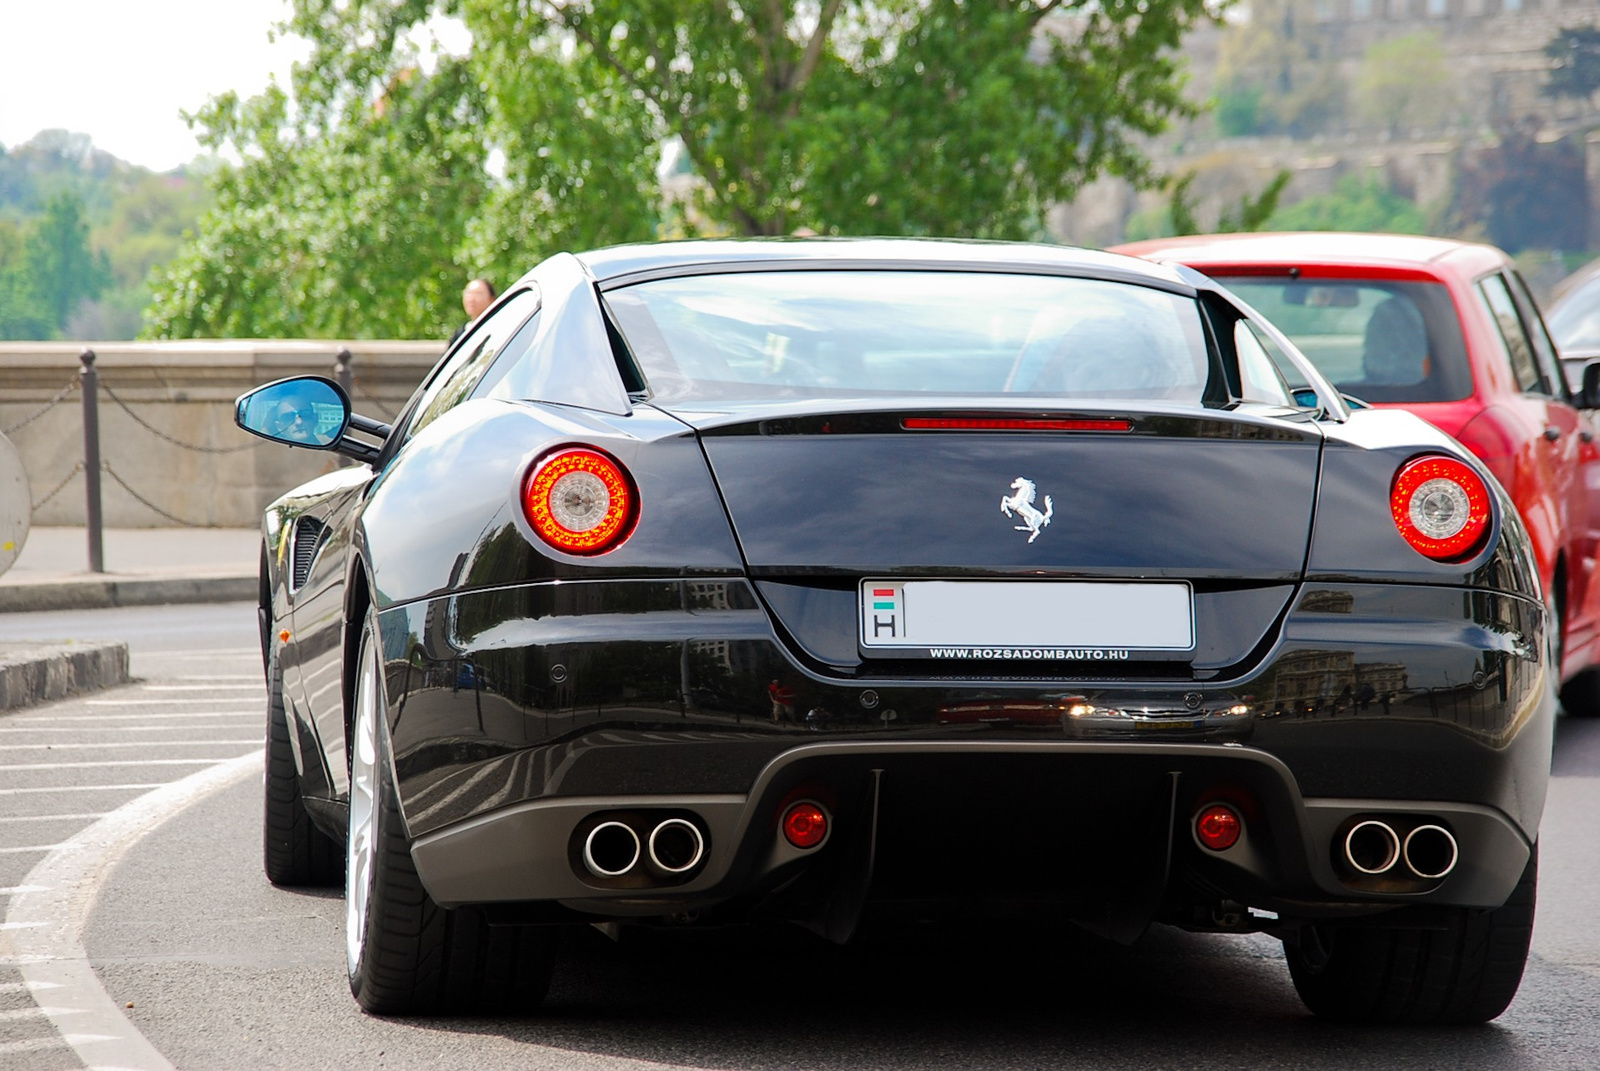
167, 440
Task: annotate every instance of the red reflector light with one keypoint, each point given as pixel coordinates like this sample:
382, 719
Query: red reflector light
1441, 507
805, 825
1010, 424
580, 501
1218, 826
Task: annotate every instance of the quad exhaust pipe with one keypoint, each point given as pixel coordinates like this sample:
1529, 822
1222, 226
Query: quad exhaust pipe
611, 850
1374, 847
675, 846
1430, 851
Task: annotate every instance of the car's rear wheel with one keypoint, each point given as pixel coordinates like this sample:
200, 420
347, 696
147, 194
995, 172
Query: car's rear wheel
406, 954
1463, 971
294, 851
1581, 695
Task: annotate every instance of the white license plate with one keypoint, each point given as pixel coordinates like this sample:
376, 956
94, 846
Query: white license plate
1027, 620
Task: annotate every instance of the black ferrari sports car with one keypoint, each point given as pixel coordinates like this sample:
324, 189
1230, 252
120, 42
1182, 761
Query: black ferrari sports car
830, 581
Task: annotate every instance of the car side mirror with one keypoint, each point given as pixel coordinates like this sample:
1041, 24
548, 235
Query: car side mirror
309, 412
1589, 397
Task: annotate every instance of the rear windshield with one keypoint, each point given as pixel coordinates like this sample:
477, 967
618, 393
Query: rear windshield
1575, 319
818, 333
1376, 340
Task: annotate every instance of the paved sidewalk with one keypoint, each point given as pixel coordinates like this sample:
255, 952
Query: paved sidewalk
144, 566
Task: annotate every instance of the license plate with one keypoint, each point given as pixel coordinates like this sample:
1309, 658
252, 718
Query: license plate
1027, 620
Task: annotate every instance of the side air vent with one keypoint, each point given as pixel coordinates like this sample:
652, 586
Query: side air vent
309, 534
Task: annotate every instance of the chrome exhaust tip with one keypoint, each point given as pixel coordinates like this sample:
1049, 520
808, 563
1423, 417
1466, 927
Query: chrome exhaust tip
610, 850
676, 846
1372, 847
1430, 851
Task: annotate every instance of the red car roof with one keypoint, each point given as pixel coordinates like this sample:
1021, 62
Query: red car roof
1306, 248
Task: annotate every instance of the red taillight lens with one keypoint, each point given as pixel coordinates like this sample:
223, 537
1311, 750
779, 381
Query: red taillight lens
580, 501
1441, 507
805, 825
1218, 827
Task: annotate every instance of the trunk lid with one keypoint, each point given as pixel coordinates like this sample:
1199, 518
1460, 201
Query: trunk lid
1181, 494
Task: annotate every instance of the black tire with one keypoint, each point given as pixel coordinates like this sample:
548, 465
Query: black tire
1580, 696
294, 851
415, 957
1465, 973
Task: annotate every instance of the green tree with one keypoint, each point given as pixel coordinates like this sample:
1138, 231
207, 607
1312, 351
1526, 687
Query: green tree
47, 269
1575, 54
1525, 193
1356, 204
1407, 82
57, 257
844, 116
1274, 77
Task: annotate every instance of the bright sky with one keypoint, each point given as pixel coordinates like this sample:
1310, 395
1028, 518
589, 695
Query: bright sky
121, 70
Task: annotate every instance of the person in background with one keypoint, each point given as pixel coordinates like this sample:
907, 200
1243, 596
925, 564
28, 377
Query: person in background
478, 295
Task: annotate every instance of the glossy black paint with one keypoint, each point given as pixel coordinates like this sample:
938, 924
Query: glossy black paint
1351, 669
1177, 496
572, 689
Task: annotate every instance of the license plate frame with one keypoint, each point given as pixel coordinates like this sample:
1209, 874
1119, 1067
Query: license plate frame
1026, 620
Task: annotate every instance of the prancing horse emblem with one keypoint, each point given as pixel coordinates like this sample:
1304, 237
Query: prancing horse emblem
1033, 521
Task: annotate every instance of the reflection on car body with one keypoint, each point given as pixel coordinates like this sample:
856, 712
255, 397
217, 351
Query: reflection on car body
1449, 331
694, 603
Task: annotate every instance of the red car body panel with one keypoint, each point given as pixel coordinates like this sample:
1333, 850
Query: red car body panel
1540, 447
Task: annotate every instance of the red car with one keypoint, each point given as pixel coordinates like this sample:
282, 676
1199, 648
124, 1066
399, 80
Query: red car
1449, 331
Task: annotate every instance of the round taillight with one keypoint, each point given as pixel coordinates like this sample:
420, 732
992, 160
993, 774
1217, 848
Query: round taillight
805, 825
1218, 827
1441, 507
580, 501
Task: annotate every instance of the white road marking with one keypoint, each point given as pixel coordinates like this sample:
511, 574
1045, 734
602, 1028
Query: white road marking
80, 730
49, 818
12, 890
80, 788
257, 687
211, 653
107, 762
126, 743
147, 716
100, 1035
29, 848
31, 1045
222, 677
164, 703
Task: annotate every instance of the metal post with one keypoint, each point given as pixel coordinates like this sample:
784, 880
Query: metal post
341, 371
91, 459
346, 379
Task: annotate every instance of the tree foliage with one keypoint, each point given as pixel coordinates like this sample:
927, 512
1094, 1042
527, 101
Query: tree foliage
1356, 204
1527, 194
1575, 57
1407, 82
135, 220
1274, 77
46, 269
394, 172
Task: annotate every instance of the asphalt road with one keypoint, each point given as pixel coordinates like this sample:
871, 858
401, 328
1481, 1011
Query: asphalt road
217, 969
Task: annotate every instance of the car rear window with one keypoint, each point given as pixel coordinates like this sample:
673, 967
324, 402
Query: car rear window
818, 333
1575, 319
1377, 340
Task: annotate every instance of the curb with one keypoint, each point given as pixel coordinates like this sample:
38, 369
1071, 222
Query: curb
40, 672
100, 594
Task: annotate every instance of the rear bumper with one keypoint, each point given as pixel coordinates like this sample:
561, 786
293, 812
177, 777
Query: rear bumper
518, 714
1102, 831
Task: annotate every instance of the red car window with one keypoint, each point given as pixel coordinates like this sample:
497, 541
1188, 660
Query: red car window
1518, 346
1378, 340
